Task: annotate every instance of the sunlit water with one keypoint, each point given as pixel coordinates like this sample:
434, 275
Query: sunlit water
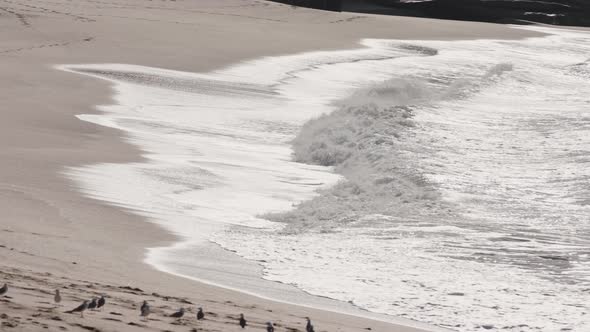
447, 182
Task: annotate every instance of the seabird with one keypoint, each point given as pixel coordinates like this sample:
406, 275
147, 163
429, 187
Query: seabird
269, 327
92, 304
145, 310
4, 289
144, 305
101, 302
79, 309
200, 314
57, 297
242, 321
308, 327
178, 314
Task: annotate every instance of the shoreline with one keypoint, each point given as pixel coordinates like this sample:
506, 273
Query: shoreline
283, 292
43, 205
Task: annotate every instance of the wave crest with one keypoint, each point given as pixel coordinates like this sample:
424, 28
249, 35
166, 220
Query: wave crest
368, 141
362, 141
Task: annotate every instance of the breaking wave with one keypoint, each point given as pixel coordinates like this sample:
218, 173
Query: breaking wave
364, 140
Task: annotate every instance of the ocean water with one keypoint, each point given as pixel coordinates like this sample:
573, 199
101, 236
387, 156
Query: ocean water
445, 182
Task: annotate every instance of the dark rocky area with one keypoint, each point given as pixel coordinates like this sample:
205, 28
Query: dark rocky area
558, 12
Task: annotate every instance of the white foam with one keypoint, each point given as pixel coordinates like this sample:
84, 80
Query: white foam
218, 157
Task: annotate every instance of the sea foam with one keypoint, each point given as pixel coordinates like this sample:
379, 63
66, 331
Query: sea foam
441, 181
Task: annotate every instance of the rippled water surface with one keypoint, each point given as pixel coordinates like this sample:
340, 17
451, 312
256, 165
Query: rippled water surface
445, 182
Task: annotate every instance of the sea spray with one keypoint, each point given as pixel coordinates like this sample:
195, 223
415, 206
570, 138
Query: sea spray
363, 141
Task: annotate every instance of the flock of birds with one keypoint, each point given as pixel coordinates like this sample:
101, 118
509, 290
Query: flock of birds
98, 303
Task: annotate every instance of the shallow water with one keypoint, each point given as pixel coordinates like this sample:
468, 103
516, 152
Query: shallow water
466, 195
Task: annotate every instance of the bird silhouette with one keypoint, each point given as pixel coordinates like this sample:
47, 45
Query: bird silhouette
178, 314
79, 309
269, 327
4, 290
144, 304
200, 314
242, 321
92, 305
101, 302
145, 310
309, 326
57, 297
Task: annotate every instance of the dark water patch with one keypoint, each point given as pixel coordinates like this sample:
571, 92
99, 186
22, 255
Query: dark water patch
508, 239
424, 50
555, 258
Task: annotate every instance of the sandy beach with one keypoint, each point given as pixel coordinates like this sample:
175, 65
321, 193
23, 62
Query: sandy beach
51, 236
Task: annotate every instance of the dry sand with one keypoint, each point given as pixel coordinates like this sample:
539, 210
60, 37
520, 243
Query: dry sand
52, 237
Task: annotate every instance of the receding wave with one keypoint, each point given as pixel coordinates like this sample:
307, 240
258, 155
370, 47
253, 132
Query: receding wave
187, 84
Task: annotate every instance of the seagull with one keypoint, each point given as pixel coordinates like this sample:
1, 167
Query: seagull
79, 309
309, 327
269, 327
92, 304
101, 302
144, 305
145, 310
178, 314
4, 289
57, 297
242, 321
200, 314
